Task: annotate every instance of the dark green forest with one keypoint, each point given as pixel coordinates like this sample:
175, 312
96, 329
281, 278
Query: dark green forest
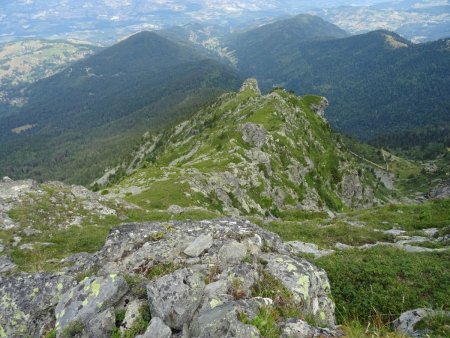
89, 116
374, 88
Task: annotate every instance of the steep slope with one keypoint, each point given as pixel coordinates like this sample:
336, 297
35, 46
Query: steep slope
377, 82
248, 154
93, 111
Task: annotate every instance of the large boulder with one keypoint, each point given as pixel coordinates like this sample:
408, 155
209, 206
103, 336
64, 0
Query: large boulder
174, 298
88, 299
309, 285
157, 329
222, 321
27, 302
296, 328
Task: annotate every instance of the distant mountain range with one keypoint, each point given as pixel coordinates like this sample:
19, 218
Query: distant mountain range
107, 21
74, 124
415, 20
377, 83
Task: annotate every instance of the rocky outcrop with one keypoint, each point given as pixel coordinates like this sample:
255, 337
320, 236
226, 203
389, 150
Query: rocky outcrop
27, 303
254, 154
320, 108
440, 191
251, 84
88, 300
201, 279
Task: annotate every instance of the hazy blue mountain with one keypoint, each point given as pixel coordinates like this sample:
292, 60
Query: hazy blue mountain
105, 21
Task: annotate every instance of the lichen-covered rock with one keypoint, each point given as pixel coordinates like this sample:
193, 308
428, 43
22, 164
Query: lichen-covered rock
222, 321
132, 313
296, 328
408, 320
101, 325
308, 284
320, 108
231, 253
196, 296
440, 191
6, 265
308, 248
175, 297
89, 298
157, 329
27, 300
200, 244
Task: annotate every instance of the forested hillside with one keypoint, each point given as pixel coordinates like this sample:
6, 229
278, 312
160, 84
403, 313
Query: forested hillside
377, 83
94, 111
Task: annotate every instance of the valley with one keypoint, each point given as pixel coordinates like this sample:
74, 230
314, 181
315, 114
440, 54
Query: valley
248, 173
268, 160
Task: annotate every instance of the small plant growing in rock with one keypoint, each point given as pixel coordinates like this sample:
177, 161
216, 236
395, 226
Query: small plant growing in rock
248, 259
265, 321
137, 286
140, 325
213, 273
236, 289
161, 269
157, 236
270, 287
74, 329
51, 334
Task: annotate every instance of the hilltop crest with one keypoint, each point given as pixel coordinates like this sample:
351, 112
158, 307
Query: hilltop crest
249, 154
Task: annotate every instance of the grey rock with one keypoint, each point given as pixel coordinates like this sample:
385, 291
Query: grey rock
157, 329
296, 328
175, 209
440, 191
199, 245
407, 320
27, 302
89, 298
254, 134
6, 265
175, 297
2, 248
308, 248
430, 232
132, 313
232, 253
321, 107
251, 84
29, 231
101, 325
342, 246
308, 284
394, 232
222, 321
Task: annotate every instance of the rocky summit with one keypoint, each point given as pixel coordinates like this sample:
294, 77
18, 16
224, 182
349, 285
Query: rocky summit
195, 279
248, 154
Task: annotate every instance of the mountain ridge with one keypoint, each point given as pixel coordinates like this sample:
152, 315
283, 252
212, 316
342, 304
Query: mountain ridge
248, 154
